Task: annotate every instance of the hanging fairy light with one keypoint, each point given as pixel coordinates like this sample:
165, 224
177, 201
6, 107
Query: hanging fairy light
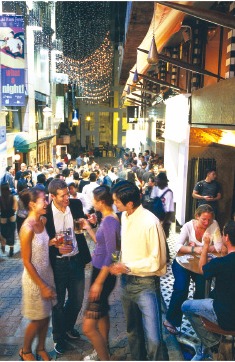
87, 58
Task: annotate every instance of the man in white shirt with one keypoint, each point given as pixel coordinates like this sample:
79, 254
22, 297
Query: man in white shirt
67, 264
88, 190
143, 260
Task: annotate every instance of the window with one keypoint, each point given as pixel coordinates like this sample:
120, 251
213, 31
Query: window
14, 120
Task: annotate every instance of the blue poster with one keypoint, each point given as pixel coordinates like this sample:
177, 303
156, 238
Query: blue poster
12, 60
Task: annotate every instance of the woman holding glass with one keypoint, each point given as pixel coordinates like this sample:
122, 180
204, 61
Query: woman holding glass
37, 279
96, 319
191, 241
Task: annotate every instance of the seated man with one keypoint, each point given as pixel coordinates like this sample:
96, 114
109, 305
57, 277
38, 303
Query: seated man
221, 309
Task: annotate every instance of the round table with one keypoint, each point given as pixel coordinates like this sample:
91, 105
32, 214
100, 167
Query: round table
193, 266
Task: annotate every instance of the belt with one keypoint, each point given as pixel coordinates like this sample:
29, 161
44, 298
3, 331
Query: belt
136, 277
66, 257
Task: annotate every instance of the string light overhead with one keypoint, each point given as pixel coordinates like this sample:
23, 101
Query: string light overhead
87, 58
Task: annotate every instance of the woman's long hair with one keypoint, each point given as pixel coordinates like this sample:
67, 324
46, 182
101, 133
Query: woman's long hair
6, 197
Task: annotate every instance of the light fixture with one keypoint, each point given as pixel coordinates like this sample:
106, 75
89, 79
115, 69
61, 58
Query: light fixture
135, 77
153, 53
4, 111
75, 119
47, 111
17, 157
88, 118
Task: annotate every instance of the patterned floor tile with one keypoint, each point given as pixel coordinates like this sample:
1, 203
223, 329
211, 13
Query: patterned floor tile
187, 335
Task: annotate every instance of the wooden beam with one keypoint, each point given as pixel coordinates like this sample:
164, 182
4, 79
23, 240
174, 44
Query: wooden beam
215, 17
161, 82
184, 65
141, 96
143, 90
136, 102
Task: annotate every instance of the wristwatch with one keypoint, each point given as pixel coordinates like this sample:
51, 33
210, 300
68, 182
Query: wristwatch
192, 250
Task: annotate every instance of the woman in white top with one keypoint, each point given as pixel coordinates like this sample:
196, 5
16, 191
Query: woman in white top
191, 241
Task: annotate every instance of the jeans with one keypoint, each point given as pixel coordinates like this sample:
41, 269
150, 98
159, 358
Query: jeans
69, 276
193, 309
140, 301
180, 292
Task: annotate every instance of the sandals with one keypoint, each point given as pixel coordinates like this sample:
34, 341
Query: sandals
170, 328
22, 354
46, 356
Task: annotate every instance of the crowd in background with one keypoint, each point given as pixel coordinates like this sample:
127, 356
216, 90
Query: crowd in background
77, 174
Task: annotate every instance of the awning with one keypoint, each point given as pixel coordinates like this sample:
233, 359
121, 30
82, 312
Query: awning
22, 143
164, 24
46, 138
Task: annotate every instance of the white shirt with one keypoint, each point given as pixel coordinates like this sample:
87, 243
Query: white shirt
167, 199
69, 179
187, 235
112, 175
87, 190
63, 221
143, 243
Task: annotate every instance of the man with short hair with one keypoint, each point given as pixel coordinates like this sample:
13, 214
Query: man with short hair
127, 160
67, 263
80, 160
143, 260
134, 167
146, 155
9, 178
148, 172
208, 191
142, 170
220, 309
106, 179
18, 174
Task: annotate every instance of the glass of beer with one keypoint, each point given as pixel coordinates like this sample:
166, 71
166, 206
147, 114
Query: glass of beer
78, 226
59, 238
68, 237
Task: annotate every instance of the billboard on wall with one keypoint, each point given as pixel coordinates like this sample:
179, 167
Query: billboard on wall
12, 41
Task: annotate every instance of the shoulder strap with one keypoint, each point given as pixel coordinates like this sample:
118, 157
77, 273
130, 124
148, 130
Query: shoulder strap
164, 193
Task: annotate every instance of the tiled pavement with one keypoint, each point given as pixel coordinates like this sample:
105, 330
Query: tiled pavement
187, 335
12, 324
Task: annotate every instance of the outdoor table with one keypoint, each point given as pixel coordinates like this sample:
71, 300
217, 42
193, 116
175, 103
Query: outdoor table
192, 265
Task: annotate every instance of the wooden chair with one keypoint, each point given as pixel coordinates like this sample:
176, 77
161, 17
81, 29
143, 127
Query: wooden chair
214, 328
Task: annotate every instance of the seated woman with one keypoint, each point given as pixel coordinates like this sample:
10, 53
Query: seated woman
191, 241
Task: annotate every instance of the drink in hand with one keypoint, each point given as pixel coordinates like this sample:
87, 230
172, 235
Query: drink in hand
59, 238
78, 226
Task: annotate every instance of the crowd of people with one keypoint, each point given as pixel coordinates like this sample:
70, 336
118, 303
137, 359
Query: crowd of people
126, 209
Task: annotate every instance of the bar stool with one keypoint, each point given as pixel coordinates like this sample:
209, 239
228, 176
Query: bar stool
214, 328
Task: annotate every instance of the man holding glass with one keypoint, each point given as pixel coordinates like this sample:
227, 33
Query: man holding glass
67, 263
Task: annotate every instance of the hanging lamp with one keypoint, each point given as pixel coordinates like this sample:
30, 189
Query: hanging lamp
153, 53
135, 77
